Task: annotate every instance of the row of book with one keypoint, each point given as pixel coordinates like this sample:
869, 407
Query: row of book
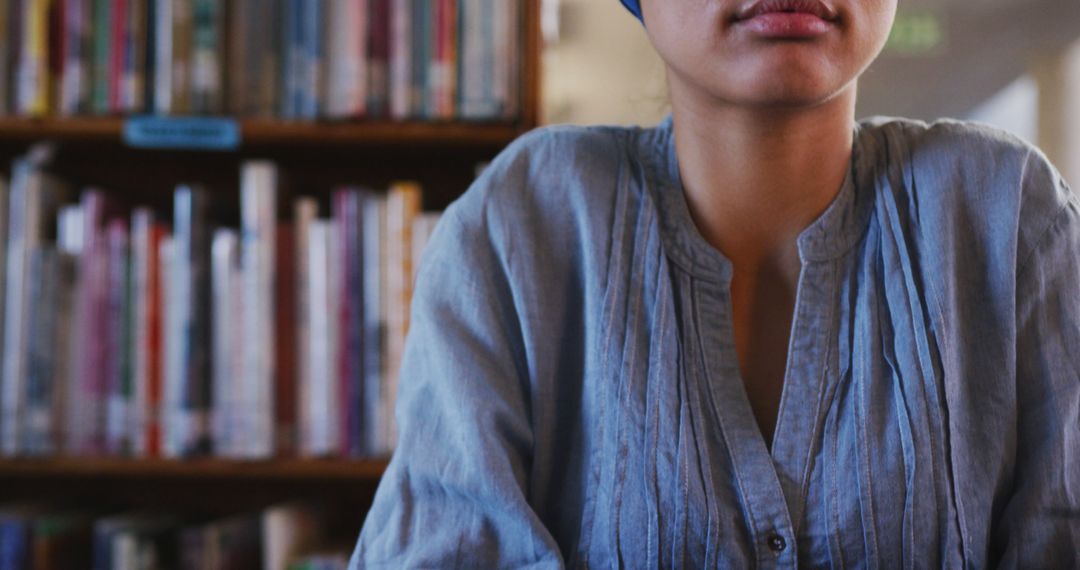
283, 537
125, 335
269, 59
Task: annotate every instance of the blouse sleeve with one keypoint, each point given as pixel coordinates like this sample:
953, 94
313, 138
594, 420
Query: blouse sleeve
454, 495
1040, 523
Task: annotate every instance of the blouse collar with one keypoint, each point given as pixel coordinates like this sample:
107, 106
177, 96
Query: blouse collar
833, 234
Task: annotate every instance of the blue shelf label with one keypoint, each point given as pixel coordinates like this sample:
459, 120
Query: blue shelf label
184, 133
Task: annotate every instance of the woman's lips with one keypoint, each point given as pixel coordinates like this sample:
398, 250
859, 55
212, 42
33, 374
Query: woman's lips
786, 25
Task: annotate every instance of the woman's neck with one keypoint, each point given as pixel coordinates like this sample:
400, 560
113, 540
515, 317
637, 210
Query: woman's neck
755, 178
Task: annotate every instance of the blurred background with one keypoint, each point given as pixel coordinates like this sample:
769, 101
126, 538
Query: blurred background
1011, 63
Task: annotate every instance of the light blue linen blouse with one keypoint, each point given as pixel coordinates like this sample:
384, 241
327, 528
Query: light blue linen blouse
571, 396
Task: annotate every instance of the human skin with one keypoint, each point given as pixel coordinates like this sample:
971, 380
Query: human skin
763, 132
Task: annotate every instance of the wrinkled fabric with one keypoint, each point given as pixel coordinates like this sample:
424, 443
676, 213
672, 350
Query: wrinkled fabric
571, 395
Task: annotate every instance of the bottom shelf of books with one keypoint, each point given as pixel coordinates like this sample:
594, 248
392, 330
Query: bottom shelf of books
197, 514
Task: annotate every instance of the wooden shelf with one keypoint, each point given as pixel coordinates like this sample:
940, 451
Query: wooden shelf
368, 470
265, 132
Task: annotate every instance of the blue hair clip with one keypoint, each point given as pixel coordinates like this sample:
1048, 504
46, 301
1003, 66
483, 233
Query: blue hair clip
635, 7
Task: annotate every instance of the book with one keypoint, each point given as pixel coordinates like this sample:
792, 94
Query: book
37, 432
32, 64
207, 91
7, 48
258, 195
75, 75
305, 210
374, 325
401, 59
87, 389
403, 205
227, 334
187, 396
285, 341
298, 60
320, 434
347, 59
143, 343
35, 197
378, 66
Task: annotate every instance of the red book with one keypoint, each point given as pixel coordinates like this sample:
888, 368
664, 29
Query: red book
285, 341
154, 341
117, 52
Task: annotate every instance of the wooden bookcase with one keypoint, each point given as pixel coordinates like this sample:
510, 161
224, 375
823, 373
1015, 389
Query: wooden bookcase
313, 158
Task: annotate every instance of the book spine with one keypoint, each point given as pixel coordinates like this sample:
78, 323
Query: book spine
374, 227
7, 46
183, 33
37, 431
347, 217
189, 421
312, 46
142, 225
208, 52
347, 59
60, 350
225, 261
117, 36
155, 341
71, 77
449, 61
85, 398
99, 76
403, 206
401, 58
258, 215
162, 48
134, 58
240, 68
421, 47
267, 49
118, 396
512, 63
292, 54
305, 211
20, 243
5, 238
285, 396
323, 438
378, 77
32, 74
173, 365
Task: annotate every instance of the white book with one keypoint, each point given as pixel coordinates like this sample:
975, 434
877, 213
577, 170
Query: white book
347, 58
225, 258
163, 56
322, 432
287, 531
258, 197
173, 375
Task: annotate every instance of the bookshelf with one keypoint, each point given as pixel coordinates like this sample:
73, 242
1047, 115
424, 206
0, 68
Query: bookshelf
313, 158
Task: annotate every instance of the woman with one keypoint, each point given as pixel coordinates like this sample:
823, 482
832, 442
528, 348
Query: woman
600, 374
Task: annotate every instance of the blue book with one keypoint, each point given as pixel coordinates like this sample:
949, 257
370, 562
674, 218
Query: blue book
14, 542
421, 57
